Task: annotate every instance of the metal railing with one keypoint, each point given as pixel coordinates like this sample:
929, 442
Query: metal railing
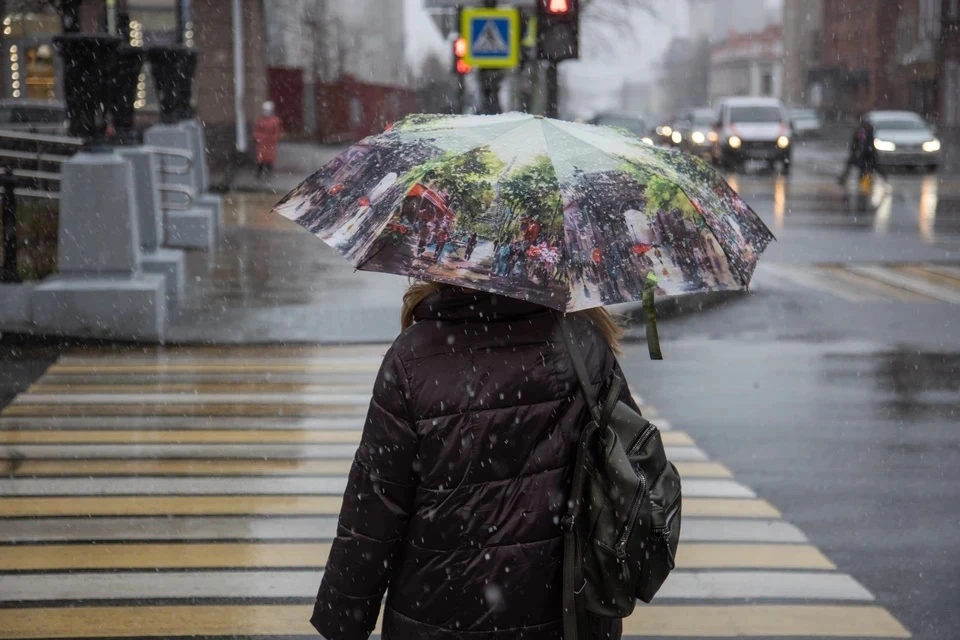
35, 159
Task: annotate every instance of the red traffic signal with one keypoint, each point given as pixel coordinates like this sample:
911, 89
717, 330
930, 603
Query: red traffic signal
558, 8
459, 51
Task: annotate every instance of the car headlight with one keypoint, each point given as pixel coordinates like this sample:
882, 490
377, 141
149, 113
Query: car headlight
884, 145
677, 137
667, 130
734, 142
697, 137
647, 140
783, 142
931, 146
712, 136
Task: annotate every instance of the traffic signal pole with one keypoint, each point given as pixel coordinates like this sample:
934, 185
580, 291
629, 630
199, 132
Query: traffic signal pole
553, 90
490, 82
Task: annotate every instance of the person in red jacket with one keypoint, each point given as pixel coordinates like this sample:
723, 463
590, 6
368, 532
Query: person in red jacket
266, 133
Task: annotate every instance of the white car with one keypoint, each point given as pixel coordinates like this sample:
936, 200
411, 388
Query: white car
752, 128
806, 123
904, 139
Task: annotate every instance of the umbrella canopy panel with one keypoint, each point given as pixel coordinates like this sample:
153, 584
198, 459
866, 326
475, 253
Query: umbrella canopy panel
567, 215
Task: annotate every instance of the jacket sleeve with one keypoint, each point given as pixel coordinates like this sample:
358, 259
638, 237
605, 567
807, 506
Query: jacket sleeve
373, 519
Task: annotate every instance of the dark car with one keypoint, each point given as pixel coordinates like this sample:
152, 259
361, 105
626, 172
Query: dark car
694, 129
632, 122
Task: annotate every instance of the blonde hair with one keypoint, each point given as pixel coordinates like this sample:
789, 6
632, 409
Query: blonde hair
608, 325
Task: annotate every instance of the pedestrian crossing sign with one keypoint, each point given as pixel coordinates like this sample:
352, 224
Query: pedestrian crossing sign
493, 37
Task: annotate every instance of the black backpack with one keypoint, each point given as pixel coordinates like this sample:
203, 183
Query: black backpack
623, 525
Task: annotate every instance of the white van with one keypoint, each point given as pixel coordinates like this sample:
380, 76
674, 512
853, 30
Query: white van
752, 128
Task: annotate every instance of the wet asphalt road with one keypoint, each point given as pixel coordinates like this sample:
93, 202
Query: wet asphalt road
843, 413
833, 393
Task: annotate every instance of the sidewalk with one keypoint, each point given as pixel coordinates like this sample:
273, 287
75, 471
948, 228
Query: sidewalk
295, 162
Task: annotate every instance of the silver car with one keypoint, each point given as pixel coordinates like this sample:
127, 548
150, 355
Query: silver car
904, 139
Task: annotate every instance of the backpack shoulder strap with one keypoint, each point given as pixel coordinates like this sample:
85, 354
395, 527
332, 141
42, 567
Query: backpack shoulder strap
579, 366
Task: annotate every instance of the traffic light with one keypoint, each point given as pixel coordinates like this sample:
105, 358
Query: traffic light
460, 65
558, 29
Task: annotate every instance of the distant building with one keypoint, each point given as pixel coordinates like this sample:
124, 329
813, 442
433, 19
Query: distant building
949, 67
802, 22
339, 68
858, 46
748, 64
702, 19
684, 75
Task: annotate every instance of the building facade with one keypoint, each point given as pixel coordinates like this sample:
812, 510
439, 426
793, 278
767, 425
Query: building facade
802, 23
34, 71
748, 64
949, 68
858, 47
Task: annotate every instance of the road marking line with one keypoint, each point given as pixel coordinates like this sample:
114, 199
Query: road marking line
179, 422
272, 436
164, 399
201, 390
139, 436
119, 451
716, 489
753, 621
198, 467
770, 585
250, 486
169, 505
166, 529
882, 290
809, 279
929, 274
692, 555
764, 621
910, 283
724, 508
265, 410
279, 505
256, 366
106, 556
703, 470
721, 530
238, 351
314, 528
287, 583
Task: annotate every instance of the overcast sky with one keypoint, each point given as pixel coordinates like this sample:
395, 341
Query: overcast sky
608, 56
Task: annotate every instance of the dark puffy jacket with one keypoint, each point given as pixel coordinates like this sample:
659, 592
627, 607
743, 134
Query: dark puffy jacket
462, 475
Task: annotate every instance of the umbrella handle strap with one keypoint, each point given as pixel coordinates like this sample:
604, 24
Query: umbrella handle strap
650, 310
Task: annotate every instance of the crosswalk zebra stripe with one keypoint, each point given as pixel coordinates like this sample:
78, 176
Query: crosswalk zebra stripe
293, 584
295, 451
251, 528
908, 282
292, 621
146, 399
281, 505
179, 422
303, 555
108, 486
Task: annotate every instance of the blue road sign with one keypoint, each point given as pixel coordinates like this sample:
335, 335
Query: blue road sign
493, 37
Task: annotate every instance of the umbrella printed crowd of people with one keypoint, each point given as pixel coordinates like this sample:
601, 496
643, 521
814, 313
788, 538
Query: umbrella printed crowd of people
527, 221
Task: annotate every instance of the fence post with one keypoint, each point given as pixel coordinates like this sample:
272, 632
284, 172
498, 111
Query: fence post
9, 272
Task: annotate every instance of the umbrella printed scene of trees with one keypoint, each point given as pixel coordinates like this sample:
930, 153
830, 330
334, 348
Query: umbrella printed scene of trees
566, 215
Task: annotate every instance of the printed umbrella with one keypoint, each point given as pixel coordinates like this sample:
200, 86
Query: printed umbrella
567, 215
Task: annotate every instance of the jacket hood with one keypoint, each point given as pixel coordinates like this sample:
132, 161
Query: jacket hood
456, 304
